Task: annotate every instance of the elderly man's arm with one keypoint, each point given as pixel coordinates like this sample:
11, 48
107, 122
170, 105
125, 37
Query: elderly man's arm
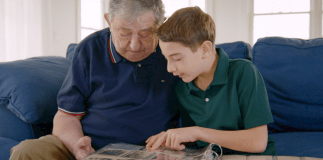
68, 129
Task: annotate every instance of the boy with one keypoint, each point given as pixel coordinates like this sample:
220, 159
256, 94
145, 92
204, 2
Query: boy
223, 101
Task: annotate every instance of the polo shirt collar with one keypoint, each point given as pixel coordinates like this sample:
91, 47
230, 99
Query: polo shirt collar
116, 57
221, 73
152, 58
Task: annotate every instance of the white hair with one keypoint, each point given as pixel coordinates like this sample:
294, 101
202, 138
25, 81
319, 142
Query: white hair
132, 9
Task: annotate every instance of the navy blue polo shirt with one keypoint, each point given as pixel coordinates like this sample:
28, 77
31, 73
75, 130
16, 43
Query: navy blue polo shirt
121, 101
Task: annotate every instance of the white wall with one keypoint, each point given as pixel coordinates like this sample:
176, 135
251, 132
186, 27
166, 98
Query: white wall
232, 19
64, 25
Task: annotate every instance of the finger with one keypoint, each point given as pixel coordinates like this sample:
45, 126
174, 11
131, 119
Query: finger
85, 145
148, 139
159, 141
151, 141
87, 139
168, 141
84, 141
181, 147
178, 144
173, 141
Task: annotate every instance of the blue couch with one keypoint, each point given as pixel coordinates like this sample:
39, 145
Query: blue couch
28, 90
293, 73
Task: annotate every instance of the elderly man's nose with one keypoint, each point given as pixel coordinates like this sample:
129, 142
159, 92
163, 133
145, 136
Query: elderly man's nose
135, 43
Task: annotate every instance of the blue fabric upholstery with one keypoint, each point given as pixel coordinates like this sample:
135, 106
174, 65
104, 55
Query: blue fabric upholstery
293, 72
11, 126
237, 49
305, 144
30, 87
5, 147
70, 50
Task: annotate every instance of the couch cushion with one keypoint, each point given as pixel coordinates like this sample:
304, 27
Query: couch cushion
236, 50
70, 50
31, 86
293, 72
5, 147
11, 126
304, 144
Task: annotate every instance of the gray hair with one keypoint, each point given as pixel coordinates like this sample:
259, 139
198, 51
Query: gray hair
132, 9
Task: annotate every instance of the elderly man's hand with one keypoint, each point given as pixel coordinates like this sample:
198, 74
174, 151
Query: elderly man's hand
83, 148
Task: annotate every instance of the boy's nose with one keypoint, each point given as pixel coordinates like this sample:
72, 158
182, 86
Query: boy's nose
170, 67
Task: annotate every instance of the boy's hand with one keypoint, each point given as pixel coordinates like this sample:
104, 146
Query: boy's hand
83, 148
173, 138
152, 140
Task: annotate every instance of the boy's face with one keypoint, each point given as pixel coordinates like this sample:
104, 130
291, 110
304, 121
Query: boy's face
181, 60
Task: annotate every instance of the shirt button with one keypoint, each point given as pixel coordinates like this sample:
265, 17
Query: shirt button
139, 65
206, 99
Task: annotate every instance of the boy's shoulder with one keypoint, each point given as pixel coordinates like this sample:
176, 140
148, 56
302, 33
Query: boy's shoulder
240, 65
239, 62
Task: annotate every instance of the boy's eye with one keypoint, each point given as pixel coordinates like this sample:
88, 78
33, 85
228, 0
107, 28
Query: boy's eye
177, 59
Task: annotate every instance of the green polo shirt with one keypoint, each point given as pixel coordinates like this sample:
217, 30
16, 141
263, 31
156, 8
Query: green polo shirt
235, 100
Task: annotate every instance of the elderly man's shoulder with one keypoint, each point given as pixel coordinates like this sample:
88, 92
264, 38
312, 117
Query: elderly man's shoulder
101, 36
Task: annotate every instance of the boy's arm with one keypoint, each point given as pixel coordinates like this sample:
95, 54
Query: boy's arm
68, 129
253, 140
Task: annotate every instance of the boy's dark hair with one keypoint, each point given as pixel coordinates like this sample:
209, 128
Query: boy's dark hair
190, 26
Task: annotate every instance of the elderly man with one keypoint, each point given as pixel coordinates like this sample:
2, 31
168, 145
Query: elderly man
116, 90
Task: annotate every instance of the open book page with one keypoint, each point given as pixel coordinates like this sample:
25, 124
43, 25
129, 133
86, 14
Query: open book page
124, 151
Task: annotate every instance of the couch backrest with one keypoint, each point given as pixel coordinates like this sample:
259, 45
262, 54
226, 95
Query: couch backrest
237, 49
11, 126
293, 73
70, 50
28, 92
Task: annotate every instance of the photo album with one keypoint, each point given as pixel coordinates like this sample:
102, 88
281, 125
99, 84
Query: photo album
124, 151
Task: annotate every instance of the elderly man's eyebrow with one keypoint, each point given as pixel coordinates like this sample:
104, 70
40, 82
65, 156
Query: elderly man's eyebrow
125, 28
148, 29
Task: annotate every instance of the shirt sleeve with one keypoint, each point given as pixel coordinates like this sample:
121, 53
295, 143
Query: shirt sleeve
253, 99
74, 91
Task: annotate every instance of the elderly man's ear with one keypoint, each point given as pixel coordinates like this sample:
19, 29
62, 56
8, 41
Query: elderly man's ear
106, 16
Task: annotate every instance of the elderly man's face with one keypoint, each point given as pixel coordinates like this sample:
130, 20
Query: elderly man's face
135, 40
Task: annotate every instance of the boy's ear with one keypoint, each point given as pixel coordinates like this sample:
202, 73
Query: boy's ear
207, 48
